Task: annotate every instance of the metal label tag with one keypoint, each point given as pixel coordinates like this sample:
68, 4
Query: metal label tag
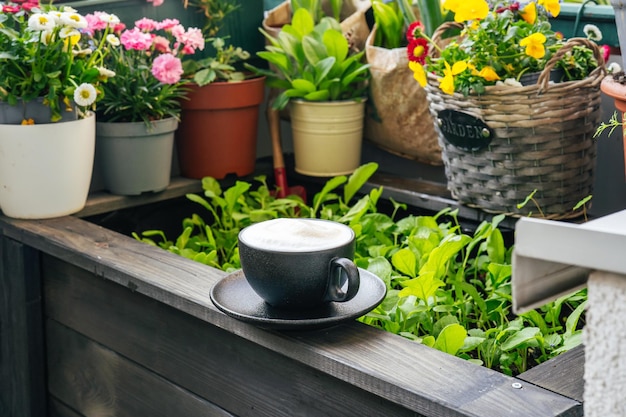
464, 130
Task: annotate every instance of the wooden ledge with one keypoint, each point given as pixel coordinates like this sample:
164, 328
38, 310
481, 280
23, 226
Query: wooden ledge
409, 376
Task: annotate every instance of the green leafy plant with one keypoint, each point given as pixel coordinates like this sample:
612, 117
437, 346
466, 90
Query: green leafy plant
446, 288
221, 67
313, 62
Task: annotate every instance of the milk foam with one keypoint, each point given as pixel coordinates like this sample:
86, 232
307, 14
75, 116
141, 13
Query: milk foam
296, 235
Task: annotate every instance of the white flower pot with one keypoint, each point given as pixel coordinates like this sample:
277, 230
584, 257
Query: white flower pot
45, 169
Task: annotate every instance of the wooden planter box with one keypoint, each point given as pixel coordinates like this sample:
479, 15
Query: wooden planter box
95, 323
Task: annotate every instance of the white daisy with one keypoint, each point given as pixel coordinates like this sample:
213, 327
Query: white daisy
113, 40
108, 18
41, 22
68, 32
85, 94
74, 20
592, 32
105, 72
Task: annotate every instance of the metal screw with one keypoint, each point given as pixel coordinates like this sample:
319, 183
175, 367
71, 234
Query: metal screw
439, 121
516, 385
485, 133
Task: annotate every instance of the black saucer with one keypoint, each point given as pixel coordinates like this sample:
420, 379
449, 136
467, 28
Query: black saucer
235, 297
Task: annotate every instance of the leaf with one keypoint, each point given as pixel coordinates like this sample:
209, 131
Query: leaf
495, 246
304, 85
357, 179
521, 337
422, 287
336, 44
404, 261
572, 320
451, 339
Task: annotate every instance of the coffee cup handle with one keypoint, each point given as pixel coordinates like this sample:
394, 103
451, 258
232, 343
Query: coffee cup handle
335, 292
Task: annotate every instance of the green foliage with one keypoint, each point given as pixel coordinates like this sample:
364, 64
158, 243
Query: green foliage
313, 62
220, 67
447, 289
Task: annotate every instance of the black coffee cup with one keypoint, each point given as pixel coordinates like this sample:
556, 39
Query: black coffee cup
299, 264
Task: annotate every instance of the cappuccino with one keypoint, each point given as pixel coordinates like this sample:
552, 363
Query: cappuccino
296, 235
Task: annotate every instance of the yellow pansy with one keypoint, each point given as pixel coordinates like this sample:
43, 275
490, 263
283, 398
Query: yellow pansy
418, 72
534, 45
552, 6
489, 74
471, 10
446, 84
529, 13
472, 68
451, 5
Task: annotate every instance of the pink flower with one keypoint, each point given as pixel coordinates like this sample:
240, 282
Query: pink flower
156, 3
145, 24
606, 52
161, 44
167, 69
191, 40
94, 23
136, 39
167, 24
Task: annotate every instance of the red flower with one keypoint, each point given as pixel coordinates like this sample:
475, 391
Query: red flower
513, 7
417, 50
10, 9
414, 31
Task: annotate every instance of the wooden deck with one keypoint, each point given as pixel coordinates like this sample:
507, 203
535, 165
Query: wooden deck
94, 323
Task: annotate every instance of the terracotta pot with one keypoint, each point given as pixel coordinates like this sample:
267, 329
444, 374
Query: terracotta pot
617, 91
218, 131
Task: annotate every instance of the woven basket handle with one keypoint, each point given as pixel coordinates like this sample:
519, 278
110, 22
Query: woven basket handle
437, 36
544, 77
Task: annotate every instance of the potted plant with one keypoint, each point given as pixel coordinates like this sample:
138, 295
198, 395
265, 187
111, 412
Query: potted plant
396, 107
485, 88
141, 109
324, 83
227, 99
51, 74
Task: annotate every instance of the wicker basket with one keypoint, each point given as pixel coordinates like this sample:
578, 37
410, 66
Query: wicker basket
541, 141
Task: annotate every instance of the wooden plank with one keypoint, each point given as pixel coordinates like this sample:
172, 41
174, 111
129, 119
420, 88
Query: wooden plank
103, 202
235, 374
564, 375
332, 371
22, 383
95, 381
58, 409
